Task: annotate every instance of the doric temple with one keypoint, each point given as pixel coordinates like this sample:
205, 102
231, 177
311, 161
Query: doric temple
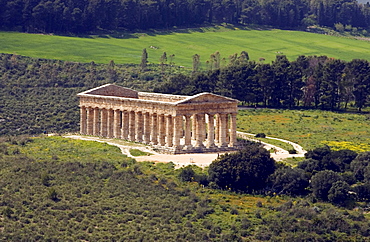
170, 123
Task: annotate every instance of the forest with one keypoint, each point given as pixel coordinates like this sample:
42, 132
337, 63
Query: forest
84, 16
308, 82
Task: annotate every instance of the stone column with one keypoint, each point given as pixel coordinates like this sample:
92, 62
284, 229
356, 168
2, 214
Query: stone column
154, 130
177, 131
83, 122
200, 134
139, 126
146, 128
169, 131
162, 134
110, 123
117, 124
90, 121
125, 125
96, 122
132, 126
211, 131
194, 127
103, 124
233, 130
217, 129
188, 132
223, 127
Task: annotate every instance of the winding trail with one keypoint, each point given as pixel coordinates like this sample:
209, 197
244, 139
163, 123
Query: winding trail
181, 160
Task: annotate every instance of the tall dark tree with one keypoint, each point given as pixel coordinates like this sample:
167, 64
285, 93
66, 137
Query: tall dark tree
358, 74
144, 60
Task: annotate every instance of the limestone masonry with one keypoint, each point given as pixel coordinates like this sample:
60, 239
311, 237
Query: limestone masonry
170, 123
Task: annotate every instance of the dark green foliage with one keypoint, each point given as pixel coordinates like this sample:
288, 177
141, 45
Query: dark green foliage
292, 151
360, 166
186, 174
363, 192
52, 194
94, 201
81, 16
322, 182
39, 96
260, 135
287, 180
323, 158
102, 201
246, 170
310, 82
339, 194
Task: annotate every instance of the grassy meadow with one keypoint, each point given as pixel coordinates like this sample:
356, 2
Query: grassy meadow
310, 128
127, 48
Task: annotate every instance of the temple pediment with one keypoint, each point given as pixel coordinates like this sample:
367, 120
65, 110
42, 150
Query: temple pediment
207, 98
112, 90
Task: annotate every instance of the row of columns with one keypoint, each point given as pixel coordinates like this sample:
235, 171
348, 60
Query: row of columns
205, 130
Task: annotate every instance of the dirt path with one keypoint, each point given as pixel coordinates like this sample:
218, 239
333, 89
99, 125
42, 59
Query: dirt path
281, 154
182, 160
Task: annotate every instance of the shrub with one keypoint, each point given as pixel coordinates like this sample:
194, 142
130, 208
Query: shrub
260, 135
246, 170
292, 151
186, 174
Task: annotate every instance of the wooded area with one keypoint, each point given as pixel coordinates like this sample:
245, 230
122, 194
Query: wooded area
308, 82
40, 95
82, 16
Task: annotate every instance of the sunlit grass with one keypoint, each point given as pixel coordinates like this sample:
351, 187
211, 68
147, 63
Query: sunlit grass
71, 150
309, 128
203, 41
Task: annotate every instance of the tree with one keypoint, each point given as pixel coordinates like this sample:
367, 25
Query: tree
339, 193
244, 57
186, 174
360, 164
163, 61
358, 72
322, 182
144, 60
196, 63
332, 77
246, 170
287, 180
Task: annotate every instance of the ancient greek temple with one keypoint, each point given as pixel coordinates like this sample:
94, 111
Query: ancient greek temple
170, 123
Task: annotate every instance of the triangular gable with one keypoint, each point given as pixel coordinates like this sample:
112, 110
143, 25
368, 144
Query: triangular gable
112, 90
207, 98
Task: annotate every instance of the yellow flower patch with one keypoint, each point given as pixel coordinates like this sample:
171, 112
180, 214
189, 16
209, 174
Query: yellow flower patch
341, 145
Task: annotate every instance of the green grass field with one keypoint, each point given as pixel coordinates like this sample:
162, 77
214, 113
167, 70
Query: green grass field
310, 128
204, 41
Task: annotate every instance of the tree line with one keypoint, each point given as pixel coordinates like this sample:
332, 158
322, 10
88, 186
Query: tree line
81, 16
309, 81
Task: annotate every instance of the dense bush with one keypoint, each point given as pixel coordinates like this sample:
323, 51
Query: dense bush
246, 170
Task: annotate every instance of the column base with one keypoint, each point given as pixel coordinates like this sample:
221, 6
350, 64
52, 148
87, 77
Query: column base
211, 146
188, 147
223, 145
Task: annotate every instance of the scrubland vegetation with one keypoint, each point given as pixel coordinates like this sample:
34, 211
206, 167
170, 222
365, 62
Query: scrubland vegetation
83, 190
58, 189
